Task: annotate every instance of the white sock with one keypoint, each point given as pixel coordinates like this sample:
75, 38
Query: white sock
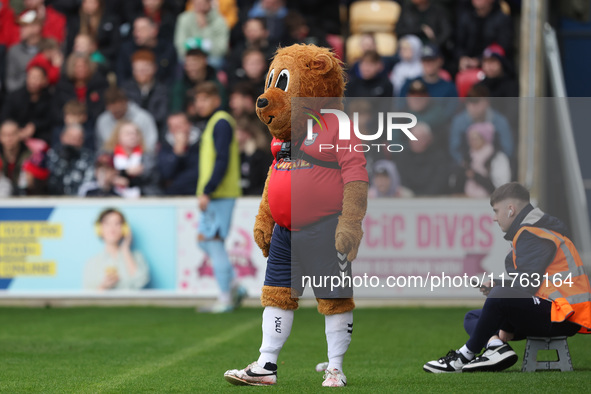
466, 352
494, 342
276, 329
338, 330
225, 298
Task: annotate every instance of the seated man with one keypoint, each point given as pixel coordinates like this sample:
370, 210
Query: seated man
532, 304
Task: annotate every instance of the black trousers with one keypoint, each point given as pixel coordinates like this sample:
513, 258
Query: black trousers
514, 311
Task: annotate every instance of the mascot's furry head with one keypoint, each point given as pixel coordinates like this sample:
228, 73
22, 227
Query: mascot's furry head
298, 71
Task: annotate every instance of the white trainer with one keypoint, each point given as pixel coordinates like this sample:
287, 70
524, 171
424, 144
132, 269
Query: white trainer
253, 375
334, 378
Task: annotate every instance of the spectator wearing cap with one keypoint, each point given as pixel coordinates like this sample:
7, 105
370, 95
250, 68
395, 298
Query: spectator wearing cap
371, 81
428, 110
119, 108
54, 22
499, 76
50, 58
70, 165
145, 36
485, 167
31, 106
479, 25
425, 20
425, 166
19, 56
105, 176
432, 63
84, 83
178, 159
144, 89
478, 110
202, 27
385, 180
93, 19
13, 152
196, 70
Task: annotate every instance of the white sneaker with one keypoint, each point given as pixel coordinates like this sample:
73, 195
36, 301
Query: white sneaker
453, 361
334, 378
218, 307
253, 375
321, 367
494, 358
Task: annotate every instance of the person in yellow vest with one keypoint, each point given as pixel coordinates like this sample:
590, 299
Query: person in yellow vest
550, 295
218, 186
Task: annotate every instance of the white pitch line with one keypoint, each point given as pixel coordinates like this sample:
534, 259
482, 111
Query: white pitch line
172, 359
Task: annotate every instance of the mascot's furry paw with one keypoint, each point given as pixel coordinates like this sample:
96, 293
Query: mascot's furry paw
349, 232
348, 237
263, 230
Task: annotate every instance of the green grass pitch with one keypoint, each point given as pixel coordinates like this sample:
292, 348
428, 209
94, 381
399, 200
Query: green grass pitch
129, 350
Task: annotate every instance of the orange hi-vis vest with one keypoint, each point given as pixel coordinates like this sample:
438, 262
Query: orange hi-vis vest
570, 302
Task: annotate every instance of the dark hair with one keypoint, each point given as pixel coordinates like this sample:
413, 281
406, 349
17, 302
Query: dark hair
196, 52
244, 88
75, 107
509, 190
372, 56
209, 88
114, 95
477, 91
109, 211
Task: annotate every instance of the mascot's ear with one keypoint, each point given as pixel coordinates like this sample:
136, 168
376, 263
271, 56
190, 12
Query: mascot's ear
321, 63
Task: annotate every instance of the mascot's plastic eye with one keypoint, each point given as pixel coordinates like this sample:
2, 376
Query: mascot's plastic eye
283, 80
271, 74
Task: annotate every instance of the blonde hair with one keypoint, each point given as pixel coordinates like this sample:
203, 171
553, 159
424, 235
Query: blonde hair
71, 64
114, 138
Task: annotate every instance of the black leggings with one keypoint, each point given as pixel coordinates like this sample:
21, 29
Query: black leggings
514, 311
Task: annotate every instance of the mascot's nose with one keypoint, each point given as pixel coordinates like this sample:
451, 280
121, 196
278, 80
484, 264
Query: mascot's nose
262, 102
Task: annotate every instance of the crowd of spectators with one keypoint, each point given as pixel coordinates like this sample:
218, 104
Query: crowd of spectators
97, 97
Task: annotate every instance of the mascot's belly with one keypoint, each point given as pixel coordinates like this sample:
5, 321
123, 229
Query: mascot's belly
301, 193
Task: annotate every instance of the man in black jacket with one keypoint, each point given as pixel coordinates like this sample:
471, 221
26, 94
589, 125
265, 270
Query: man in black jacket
178, 159
31, 107
478, 26
526, 306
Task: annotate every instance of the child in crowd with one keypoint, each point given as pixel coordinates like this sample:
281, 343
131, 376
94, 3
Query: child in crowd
50, 58
486, 167
410, 66
106, 177
129, 158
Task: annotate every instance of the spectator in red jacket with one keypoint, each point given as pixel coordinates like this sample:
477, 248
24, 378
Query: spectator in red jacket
9, 34
54, 22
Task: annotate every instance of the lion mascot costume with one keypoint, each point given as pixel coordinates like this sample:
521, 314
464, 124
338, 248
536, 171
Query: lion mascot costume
314, 201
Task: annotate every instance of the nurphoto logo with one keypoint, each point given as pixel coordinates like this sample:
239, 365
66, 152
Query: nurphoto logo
392, 124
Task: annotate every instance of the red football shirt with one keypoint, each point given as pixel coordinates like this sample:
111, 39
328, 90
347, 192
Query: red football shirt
301, 193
